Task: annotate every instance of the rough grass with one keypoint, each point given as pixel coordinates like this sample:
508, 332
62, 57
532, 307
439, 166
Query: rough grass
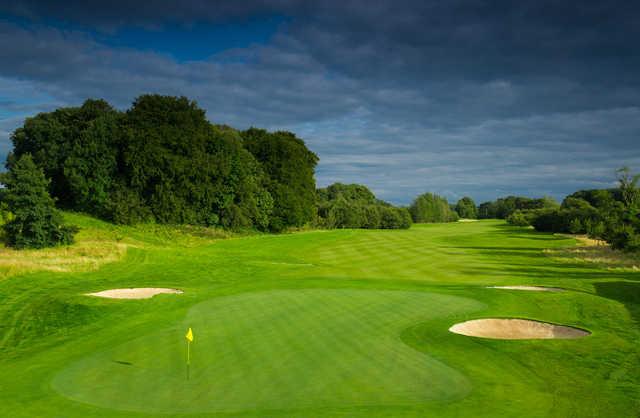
100, 243
87, 255
348, 323
596, 252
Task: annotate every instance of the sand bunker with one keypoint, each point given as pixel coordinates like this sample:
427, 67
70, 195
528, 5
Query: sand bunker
516, 329
531, 288
133, 293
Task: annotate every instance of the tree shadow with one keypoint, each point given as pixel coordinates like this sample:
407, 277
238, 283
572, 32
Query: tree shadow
532, 262
627, 293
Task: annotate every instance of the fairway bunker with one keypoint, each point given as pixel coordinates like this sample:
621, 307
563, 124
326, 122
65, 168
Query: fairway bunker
529, 288
133, 293
516, 329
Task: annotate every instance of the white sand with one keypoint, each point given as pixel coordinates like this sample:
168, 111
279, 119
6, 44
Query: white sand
530, 288
133, 293
515, 329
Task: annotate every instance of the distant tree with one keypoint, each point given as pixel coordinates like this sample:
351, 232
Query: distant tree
429, 207
628, 185
35, 223
394, 218
355, 206
575, 226
372, 217
344, 214
505, 206
466, 208
487, 210
350, 192
518, 218
623, 225
595, 230
610, 215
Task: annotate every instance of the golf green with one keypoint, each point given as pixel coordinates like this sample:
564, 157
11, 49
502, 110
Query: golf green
276, 350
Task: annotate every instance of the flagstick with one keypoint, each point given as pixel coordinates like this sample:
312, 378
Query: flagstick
188, 357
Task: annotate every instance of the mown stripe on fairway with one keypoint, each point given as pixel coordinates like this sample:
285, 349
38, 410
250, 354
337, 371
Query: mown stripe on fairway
283, 349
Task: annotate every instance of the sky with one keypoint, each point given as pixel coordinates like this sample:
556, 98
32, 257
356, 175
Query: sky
461, 98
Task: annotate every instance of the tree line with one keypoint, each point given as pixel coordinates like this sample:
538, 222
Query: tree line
159, 161
355, 206
503, 207
611, 215
162, 161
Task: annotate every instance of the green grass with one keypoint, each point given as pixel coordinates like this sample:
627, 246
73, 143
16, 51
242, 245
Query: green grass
317, 324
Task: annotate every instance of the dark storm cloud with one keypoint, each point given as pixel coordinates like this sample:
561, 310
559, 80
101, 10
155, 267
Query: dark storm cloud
468, 39
458, 97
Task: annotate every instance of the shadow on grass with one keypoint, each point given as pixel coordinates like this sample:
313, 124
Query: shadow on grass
560, 271
533, 262
626, 293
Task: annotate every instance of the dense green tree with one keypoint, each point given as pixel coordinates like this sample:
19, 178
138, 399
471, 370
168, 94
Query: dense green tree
56, 137
505, 206
622, 226
572, 216
159, 161
394, 218
355, 206
487, 210
90, 169
610, 215
289, 168
598, 197
187, 171
519, 218
595, 230
372, 217
344, 214
35, 222
350, 192
429, 207
466, 208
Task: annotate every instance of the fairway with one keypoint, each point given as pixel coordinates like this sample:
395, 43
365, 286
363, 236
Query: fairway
319, 324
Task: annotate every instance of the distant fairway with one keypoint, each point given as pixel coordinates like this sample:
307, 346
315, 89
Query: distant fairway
277, 350
343, 323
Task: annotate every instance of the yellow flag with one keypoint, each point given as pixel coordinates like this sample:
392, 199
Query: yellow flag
189, 335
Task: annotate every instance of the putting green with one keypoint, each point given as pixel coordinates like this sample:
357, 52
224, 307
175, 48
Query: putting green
281, 349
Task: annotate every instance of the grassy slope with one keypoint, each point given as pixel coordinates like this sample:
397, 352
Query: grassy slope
48, 329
